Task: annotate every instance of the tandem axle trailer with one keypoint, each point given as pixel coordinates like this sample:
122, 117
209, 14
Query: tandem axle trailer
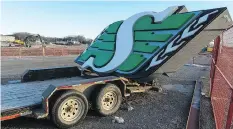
41, 92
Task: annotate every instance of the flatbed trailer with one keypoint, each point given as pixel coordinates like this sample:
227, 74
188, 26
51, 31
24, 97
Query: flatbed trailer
33, 98
125, 58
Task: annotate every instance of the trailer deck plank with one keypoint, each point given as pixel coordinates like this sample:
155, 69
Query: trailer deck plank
27, 94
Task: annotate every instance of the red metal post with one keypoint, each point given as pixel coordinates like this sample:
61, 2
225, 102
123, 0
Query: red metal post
214, 62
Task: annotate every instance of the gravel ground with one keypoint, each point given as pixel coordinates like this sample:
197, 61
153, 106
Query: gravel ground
161, 110
206, 114
206, 117
201, 59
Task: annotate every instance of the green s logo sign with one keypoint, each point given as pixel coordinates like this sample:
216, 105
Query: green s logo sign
144, 41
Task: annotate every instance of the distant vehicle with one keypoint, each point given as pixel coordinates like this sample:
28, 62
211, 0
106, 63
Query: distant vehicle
19, 42
29, 40
71, 42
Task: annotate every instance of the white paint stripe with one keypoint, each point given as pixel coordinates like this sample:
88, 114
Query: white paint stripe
197, 65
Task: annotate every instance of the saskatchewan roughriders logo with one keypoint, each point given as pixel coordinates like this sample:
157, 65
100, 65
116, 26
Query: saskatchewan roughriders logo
140, 44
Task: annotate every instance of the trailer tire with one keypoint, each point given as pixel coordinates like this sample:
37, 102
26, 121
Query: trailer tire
108, 100
70, 108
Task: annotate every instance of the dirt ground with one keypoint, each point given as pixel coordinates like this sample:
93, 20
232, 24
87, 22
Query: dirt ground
158, 110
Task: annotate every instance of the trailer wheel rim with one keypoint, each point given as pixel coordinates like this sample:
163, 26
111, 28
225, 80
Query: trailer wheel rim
71, 109
109, 100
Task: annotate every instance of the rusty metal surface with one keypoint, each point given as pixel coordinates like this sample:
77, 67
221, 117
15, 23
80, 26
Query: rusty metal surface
26, 94
193, 118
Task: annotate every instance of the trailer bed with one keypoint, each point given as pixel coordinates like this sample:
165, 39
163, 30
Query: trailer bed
21, 95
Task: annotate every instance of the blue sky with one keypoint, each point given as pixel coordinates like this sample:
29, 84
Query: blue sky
81, 18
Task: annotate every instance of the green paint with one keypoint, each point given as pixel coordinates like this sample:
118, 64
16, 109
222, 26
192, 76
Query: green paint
101, 57
150, 36
108, 37
132, 62
144, 47
104, 45
172, 22
113, 27
85, 55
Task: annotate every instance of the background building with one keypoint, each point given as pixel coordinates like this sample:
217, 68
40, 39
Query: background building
228, 37
7, 38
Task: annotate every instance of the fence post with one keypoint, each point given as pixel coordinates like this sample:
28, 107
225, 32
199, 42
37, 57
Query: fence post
62, 51
43, 51
19, 52
214, 61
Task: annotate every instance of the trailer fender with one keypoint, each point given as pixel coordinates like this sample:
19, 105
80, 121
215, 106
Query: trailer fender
121, 84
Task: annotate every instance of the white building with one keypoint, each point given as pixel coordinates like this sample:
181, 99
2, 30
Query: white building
7, 38
228, 37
